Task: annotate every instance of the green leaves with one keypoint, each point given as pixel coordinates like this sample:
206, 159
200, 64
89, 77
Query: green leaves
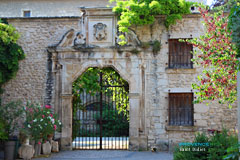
142, 12
11, 115
219, 59
219, 145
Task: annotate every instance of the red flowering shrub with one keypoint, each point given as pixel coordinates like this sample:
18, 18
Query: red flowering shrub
40, 121
218, 57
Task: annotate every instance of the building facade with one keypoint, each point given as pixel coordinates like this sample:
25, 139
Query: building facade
63, 42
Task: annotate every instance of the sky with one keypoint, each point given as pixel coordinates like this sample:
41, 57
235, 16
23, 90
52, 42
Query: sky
209, 2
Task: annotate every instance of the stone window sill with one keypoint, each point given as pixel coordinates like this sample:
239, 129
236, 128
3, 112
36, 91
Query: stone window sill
181, 128
180, 70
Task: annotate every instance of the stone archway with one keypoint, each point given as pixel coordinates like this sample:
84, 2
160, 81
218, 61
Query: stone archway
79, 50
69, 64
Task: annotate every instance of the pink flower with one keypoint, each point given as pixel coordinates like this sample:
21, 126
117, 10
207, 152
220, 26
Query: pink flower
51, 115
54, 127
39, 142
43, 116
48, 106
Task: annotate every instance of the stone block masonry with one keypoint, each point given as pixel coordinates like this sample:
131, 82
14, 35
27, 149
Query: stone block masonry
33, 75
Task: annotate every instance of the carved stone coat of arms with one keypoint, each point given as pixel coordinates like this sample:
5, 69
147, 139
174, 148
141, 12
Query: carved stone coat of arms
100, 32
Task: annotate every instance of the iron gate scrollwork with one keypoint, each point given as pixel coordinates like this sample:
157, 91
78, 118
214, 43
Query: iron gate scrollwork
101, 119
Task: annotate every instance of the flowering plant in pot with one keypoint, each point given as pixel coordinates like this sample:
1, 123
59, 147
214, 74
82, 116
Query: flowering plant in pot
11, 116
40, 122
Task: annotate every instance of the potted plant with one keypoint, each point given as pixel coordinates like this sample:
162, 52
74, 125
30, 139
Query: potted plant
51, 124
11, 117
40, 123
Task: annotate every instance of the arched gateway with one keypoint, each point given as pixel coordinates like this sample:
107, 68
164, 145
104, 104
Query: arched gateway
100, 110
94, 46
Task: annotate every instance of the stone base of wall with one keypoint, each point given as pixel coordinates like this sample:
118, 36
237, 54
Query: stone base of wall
138, 143
66, 144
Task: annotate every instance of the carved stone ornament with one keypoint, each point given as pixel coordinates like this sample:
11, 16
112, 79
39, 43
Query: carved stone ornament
131, 38
80, 39
100, 32
71, 38
67, 39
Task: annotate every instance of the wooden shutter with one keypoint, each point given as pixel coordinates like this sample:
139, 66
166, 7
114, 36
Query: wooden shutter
181, 109
180, 54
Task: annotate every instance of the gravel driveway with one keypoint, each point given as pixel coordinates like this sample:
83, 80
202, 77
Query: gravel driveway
108, 155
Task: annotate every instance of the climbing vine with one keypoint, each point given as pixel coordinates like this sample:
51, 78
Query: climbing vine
10, 53
218, 56
141, 12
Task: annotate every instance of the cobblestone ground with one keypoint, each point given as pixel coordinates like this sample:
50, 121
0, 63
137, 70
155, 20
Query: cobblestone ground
108, 155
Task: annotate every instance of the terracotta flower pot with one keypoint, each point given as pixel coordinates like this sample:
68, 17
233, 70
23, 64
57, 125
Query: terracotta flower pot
50, 137
55, 147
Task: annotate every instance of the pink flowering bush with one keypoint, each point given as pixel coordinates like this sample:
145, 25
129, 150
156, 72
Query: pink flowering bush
40, 121
218, 56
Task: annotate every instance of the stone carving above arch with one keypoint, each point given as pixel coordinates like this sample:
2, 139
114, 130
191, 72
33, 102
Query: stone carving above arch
80, 40
100, 31
131, 38
67, 39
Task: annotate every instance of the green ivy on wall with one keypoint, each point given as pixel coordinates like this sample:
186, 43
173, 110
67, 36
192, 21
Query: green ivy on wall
142, 12
10, 53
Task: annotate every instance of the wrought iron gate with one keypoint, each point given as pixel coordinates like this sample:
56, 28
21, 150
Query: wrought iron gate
101, 119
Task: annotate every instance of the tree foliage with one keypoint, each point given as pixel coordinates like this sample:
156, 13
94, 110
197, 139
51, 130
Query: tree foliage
10, 53
224, 5
141, 12
218, 3
234, 25
218, 57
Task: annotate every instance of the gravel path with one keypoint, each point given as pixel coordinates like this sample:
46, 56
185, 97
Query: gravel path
108, 155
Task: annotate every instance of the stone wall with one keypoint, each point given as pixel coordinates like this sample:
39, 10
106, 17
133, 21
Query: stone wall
149, 78
161, 81
47, 8
36, 36
51, 8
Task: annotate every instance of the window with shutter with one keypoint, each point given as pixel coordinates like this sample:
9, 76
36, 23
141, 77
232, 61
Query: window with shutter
180, 54
181, 109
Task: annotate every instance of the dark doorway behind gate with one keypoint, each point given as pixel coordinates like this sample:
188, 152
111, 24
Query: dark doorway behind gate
100, 110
